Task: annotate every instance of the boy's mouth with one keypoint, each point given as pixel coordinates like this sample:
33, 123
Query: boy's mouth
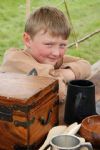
53, 58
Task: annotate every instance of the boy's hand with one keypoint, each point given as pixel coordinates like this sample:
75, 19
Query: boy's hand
65, 74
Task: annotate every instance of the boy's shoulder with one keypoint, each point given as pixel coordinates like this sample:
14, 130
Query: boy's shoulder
12, 53
11, 50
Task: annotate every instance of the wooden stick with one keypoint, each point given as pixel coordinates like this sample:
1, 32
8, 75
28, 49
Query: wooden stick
84, 38
27, 8
73, 31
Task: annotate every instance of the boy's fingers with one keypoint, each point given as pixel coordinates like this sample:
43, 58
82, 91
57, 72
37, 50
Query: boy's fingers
54, 73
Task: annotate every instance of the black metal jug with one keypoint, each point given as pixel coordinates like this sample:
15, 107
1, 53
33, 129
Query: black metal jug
80, 101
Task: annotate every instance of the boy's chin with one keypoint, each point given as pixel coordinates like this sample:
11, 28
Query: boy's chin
51, 63
56, 64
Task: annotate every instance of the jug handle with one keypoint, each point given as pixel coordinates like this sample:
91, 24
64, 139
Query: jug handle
77, 100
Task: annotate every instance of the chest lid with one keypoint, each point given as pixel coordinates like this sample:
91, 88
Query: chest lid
19, 88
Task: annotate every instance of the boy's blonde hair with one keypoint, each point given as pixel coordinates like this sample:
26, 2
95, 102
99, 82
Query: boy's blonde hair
49, 19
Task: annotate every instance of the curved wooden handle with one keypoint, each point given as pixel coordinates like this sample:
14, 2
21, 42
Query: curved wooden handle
47, 147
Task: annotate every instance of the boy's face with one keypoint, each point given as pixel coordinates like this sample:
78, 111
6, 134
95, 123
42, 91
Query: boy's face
46, 48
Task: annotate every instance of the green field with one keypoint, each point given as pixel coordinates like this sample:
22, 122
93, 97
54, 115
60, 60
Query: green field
84, 14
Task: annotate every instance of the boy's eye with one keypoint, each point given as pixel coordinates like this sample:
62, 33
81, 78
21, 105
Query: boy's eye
49, 44
62, 45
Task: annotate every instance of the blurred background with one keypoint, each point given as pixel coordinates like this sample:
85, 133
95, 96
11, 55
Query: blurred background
84, 17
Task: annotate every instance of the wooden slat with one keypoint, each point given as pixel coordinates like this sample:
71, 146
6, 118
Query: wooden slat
95, 68
95, 78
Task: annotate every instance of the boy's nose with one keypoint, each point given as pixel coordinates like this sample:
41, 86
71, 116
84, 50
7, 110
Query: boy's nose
56, 52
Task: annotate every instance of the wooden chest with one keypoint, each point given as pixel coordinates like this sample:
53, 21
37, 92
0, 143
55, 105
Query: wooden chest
28, 110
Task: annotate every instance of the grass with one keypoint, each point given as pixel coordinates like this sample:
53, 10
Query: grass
84, 16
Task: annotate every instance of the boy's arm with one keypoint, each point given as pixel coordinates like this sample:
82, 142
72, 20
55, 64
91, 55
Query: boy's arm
80, 67
65, 74
73, 68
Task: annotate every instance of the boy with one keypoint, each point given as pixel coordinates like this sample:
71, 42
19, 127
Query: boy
45, 38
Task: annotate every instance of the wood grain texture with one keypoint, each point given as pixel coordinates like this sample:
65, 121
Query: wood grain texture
96, 80
21, 90
90, 130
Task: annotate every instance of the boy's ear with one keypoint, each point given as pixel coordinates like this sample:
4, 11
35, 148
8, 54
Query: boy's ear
26, 39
